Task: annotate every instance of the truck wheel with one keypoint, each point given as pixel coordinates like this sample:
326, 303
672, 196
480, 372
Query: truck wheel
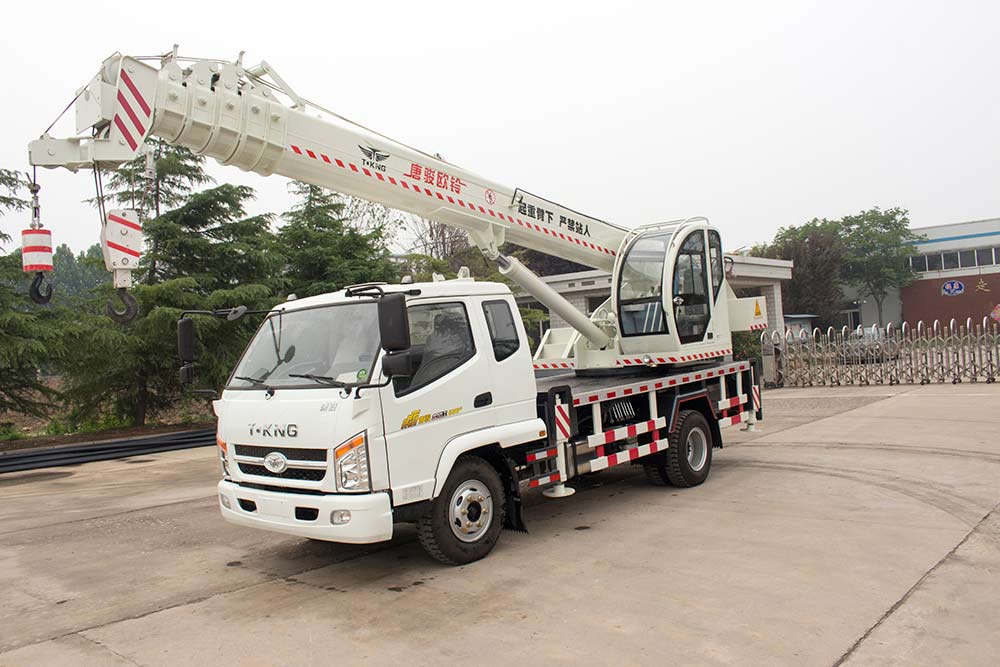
689, 457
465, 520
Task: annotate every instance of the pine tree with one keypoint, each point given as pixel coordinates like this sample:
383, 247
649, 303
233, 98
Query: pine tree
29, 334
323, 253
209, 256
178, 171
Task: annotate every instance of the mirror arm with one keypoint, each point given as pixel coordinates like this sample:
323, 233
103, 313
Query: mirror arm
359, 387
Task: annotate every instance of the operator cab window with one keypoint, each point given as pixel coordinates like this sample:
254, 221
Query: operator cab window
640, 288
503, 331
441, 339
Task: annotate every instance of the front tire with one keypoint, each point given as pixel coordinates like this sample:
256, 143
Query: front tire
465, 520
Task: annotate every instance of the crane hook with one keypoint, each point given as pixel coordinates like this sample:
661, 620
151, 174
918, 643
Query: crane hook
37, 293
131, 307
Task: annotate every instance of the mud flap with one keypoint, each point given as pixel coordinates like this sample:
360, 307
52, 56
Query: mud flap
514, 516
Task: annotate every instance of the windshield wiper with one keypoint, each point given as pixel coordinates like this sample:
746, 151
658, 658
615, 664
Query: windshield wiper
325, 379
256, 381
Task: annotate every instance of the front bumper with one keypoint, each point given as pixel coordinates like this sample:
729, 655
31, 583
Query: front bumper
371, 513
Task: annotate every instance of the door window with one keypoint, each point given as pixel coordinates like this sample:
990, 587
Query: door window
690, 298
503, 331
715, 256
441, 339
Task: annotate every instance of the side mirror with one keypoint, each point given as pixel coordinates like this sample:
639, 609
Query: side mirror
399, 364
186, 343
393, 323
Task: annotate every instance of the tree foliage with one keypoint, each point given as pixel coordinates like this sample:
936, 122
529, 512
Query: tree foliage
817, 250
878, 248
11, 184
76, 277
322, 252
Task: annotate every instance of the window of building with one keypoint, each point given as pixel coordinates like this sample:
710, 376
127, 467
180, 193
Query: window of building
918, 262
933, 262
950, 260
594, 302
441, 333
984, 256
503, 331
967, 258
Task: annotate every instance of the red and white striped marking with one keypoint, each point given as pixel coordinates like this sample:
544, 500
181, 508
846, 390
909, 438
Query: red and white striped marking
123, 237
624, 456
419, 189
541, 455
36, 250
655, 385
552, 364
631, 431
758, 327
544, 479
641, 361
734, 402
133, 115
755, 391
562, 421
738, 418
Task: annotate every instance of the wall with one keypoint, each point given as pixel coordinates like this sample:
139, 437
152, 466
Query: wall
924, 300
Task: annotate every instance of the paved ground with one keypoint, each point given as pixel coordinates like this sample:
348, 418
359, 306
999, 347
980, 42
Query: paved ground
857, 525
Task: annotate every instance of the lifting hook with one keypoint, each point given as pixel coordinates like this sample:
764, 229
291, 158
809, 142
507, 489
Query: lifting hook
37, 293
131, 307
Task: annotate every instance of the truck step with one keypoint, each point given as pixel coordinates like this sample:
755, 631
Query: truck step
543, 480
541, 454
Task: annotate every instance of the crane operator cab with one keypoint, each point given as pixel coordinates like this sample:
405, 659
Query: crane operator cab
670, 288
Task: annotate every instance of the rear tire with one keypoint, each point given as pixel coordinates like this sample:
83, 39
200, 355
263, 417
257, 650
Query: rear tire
465, 520
689, 457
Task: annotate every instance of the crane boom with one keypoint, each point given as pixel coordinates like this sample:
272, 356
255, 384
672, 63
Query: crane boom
670, 302
233, 115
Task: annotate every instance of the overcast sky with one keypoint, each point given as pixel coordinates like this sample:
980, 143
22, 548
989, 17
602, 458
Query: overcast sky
755, 114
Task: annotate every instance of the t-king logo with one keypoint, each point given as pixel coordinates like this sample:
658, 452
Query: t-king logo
275, 430
373, 157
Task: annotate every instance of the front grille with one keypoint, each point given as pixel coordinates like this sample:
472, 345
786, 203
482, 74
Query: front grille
291, 453
304, 474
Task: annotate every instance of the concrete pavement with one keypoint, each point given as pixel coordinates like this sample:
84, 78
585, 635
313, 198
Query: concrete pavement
857, 525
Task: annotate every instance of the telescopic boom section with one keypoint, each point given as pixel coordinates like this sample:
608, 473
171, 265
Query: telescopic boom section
232, 114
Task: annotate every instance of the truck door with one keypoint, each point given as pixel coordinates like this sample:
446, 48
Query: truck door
690, 289
449, 393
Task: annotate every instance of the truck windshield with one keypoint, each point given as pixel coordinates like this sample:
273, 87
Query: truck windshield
311, 347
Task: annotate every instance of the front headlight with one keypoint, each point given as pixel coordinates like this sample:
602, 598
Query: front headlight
350, 460
222, 456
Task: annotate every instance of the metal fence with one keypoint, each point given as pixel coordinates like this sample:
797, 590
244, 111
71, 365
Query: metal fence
891, 355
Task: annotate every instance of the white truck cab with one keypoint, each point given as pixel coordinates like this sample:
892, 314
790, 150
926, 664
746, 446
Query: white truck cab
306, 452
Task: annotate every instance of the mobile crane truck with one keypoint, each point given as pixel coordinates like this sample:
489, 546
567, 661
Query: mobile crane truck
351, 411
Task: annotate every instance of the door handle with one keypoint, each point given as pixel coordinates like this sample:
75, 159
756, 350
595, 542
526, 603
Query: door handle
483, 400
678, 300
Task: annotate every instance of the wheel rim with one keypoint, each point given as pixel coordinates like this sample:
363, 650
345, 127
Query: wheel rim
470, 511
697, 449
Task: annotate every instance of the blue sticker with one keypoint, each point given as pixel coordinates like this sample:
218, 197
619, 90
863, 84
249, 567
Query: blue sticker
953, 288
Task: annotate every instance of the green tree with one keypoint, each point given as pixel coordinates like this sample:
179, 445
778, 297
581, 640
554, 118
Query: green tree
177, 172
11, 183
210, 239
209, 256
29, 335
878, 245
77, 276
323, 253
817, 249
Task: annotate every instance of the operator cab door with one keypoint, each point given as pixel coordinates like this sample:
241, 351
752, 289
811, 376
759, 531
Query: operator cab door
692, 294
450, 392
